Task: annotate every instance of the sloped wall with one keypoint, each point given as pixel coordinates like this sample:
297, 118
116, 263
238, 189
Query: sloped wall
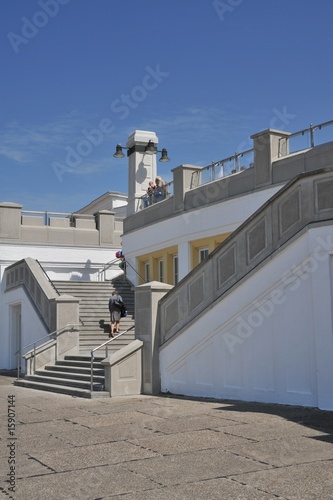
270, 339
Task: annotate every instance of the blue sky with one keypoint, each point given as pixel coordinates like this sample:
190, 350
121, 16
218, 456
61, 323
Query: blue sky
203, 74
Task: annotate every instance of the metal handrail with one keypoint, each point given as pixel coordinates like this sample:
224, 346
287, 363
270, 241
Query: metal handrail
98, 347
130, 265
50, 281
107, 266
311, 129
215, 164
19, 351
236, 156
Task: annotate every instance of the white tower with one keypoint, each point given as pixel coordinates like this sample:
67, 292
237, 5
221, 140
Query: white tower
141, 167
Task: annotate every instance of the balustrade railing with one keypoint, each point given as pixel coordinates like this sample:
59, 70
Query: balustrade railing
306, 138
147, 200
297, 141
222, 168
36, 344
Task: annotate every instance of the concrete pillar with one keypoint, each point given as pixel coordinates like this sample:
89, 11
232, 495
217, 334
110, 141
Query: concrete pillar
105, 226
269, 145
184, 259
147, 297
66, 311
141, 167
10, 220
182, 179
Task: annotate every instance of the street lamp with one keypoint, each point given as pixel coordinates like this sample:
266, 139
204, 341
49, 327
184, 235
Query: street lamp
149, 149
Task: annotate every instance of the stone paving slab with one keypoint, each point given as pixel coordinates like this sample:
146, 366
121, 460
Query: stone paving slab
212, 489
190, 441
289, 451
85, 484
163, 448
96, 420
265, 431
84, 457
300, 482
194, 466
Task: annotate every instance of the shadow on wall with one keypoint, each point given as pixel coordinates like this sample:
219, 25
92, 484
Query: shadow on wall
85, 275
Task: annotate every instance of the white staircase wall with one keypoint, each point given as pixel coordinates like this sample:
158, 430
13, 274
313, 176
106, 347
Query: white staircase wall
32, 327
268, 340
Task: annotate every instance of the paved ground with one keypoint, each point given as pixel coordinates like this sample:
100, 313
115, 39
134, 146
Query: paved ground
160, 448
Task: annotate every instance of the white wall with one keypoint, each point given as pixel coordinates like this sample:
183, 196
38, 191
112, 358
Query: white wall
31, 326
202, 222
269, 340
62, 263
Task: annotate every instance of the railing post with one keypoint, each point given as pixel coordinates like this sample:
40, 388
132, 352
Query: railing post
91, 371
34, 358
312, 135
18, 363
236, 161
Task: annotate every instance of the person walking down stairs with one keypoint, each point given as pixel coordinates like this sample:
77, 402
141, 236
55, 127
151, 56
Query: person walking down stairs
116, 305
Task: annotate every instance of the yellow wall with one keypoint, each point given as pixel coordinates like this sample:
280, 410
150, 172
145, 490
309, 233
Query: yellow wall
211, 243
167, 254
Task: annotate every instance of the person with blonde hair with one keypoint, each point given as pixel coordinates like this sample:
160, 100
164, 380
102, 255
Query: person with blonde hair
160, 189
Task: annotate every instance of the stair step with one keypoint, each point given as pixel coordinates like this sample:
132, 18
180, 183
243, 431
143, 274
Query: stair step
68, 382
72, 375
74, 369
61, 389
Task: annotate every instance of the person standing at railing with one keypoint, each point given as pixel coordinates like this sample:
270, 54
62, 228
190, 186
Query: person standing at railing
116, 305
148, 198
160, 189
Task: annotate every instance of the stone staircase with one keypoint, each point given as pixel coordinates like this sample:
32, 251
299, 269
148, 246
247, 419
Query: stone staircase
72, 375
94, 311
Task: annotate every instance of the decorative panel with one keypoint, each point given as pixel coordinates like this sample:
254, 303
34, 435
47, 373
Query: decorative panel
290, 211
196, 293
324, 195
256, 239
226, 265
172, 314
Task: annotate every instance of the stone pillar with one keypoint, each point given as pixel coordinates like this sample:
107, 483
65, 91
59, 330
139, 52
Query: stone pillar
66, 311
182, 179
184, 259
147, 297
141, 167
105, 226
269, 145
10, 221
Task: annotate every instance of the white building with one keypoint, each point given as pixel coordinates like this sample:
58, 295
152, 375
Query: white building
233, 274
253, 320
67, 246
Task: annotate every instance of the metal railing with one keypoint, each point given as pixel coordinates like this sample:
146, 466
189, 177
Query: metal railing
107, 266
50, 336
308, 133
146, 200
92, 355
47, 277
46, 216
222, 168
241, 161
